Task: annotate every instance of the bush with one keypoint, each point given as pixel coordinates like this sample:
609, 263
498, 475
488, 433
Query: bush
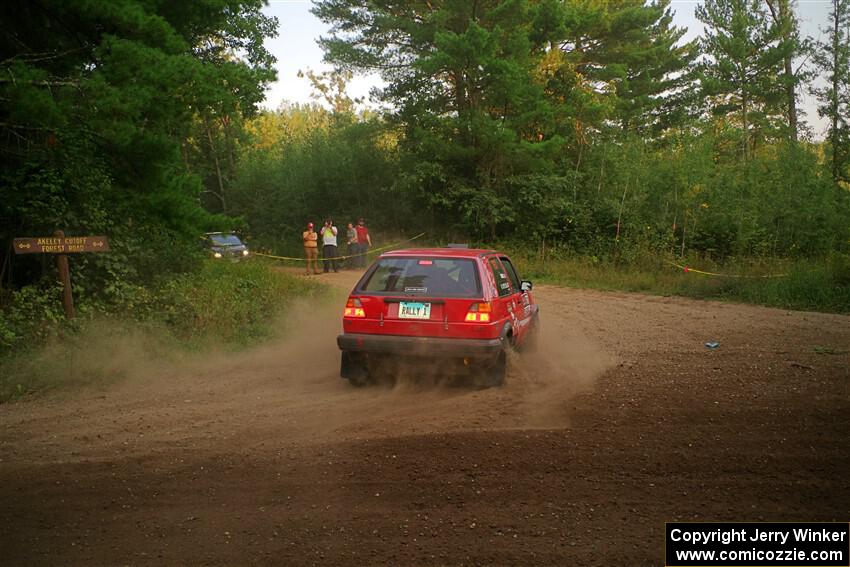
34, 315
219, 305
230, 303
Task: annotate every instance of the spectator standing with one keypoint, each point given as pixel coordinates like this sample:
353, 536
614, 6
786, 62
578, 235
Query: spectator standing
311, 248
329, 253
351, 241
364, 241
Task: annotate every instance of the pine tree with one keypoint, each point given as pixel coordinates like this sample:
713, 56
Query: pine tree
631, 50
833, 59
742, 76
460, 76
782, 13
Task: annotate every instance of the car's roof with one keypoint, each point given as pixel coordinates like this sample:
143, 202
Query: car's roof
444, 252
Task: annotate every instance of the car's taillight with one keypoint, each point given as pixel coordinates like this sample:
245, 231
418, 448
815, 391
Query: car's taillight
478, 313
354, 308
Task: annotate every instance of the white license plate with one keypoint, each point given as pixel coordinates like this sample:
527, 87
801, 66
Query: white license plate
413, 310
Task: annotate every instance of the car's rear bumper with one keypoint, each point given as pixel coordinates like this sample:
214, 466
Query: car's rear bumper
419, 346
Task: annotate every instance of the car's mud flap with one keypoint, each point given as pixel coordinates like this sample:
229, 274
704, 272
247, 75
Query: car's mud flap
353, 368
493, 374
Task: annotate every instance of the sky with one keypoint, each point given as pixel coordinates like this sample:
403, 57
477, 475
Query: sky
296, 49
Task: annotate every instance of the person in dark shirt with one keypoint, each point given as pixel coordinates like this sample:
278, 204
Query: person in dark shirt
351, 243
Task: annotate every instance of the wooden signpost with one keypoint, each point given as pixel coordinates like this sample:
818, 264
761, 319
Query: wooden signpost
62, 245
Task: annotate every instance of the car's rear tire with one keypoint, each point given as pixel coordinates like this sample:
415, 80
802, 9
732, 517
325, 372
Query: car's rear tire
493, 375
353, 367
359, 382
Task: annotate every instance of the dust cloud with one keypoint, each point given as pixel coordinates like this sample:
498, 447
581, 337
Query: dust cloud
144, 394
102, 353
537, 394
564, 364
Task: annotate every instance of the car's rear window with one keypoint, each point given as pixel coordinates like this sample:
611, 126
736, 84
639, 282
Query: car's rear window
426, 277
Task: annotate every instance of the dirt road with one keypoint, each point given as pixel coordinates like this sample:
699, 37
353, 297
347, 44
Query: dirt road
622, 422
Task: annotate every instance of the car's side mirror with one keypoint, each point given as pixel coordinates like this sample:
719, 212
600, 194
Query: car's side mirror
526, 285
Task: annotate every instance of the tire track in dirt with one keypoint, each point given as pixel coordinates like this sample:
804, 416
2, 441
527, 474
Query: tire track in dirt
290, 390
623, 422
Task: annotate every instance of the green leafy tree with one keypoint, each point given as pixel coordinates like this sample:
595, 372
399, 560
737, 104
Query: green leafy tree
96, 101
330, 87
231, 47
302, 164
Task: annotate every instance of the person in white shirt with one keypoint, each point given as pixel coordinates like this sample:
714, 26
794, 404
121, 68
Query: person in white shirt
329, 254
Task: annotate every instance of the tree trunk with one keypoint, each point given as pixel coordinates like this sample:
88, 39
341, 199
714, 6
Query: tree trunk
836, 62
601, 176
214, 155
229, 143
744, 109
578, 164
620, 214
791, 93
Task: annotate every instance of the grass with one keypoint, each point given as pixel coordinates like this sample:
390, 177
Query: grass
221, 306
808, 285
229, 304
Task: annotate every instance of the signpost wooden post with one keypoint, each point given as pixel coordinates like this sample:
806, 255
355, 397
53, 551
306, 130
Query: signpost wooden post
62, 245
65, 277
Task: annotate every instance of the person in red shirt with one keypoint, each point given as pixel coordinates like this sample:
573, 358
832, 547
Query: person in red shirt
364, 241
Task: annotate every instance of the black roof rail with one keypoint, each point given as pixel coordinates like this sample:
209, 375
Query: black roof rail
456, 245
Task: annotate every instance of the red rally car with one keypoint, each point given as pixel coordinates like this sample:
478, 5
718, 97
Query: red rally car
456, 308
